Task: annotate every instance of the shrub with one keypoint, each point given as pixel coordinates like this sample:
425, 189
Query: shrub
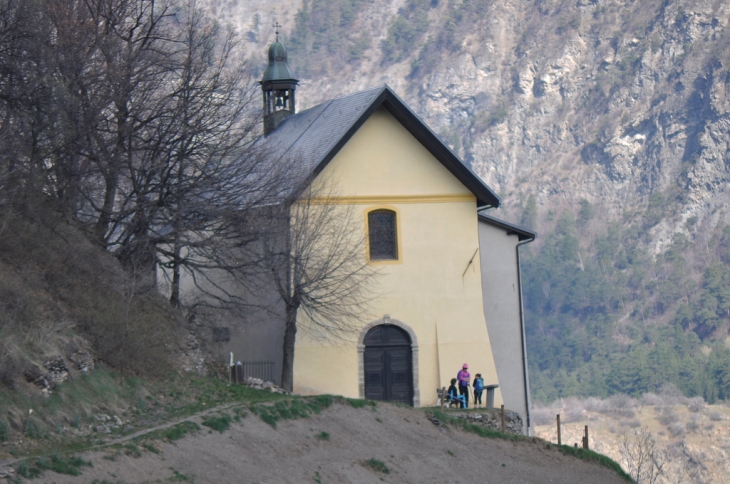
132, 450
716, 416
220, 423
666, 415
32, 430
179, 431
56, 463
572, 410
651, 399
323, 436
676, 429
693, 425
4, 431
542, 415
631, 423
696, 404
620, 405
377, 465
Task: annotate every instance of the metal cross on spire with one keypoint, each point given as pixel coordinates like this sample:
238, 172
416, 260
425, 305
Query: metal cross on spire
277, 27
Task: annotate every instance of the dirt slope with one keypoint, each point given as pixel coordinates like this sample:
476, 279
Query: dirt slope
411, 447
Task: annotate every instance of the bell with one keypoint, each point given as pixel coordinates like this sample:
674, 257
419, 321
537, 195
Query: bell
279, 101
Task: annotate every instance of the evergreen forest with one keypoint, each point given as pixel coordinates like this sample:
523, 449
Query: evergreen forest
604, 316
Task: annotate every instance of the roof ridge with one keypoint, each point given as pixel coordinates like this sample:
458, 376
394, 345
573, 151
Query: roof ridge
379, 88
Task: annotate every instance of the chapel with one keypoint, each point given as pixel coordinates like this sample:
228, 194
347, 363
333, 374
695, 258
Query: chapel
448, 278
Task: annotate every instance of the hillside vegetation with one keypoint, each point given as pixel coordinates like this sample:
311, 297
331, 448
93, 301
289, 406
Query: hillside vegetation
61, 295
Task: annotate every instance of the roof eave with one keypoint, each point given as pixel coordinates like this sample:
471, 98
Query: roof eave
511, 229
485, 196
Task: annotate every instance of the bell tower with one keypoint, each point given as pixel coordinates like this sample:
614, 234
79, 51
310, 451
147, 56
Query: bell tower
278, 86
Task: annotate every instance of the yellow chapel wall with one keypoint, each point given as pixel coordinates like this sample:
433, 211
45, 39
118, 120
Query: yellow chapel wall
435, 286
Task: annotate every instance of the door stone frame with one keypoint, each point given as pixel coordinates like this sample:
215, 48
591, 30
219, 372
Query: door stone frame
386, 319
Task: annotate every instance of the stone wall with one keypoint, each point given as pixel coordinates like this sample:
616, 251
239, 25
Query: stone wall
490, 418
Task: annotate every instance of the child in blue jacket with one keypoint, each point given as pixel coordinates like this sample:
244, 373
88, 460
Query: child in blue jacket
478, 387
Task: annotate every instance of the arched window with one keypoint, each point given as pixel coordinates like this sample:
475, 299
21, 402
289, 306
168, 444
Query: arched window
382, 235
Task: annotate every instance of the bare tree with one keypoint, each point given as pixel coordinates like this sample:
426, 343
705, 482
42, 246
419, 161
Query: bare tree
315, 259
139, 116
644, 460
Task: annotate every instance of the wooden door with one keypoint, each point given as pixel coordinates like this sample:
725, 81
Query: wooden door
388, 369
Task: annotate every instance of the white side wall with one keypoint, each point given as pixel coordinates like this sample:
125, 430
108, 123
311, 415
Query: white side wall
501, 289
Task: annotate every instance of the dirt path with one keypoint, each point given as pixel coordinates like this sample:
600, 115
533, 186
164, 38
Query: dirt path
334, 447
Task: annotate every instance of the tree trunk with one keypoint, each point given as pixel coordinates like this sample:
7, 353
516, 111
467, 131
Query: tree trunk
105, 217
175, 286
290, 335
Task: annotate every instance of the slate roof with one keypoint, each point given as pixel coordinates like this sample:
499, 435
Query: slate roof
511, 229
313, 137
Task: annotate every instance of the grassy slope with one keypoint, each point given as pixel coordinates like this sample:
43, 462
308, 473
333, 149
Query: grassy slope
187, 410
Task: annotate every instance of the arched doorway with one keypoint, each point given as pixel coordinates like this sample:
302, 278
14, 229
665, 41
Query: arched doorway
387, 360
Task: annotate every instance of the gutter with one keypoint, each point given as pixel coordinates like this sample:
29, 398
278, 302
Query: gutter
525, 376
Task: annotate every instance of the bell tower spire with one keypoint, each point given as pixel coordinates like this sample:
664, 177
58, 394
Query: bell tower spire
278, 86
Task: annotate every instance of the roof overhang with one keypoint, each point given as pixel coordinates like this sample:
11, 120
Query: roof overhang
522, 233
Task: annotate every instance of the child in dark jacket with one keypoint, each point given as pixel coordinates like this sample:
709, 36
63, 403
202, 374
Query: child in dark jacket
453, 394
478, 387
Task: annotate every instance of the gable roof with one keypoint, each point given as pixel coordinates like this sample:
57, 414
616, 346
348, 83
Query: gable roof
316, 135
511, 229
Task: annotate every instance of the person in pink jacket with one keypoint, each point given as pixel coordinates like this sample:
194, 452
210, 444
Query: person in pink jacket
464, 377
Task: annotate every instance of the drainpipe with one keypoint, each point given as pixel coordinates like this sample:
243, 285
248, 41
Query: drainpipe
522, 334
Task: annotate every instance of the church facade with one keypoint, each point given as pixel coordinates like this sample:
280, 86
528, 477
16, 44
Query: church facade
419, 207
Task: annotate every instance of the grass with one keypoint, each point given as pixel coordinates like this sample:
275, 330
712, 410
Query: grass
177, 432
178, 477
377, 465
589, 455
69, 465
132, 450
150, 447
583, 454
291, 409
360, 403
477, 429
219, 423
104, 390
33, 430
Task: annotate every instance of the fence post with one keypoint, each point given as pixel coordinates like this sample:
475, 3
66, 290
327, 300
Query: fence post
585, 439
443, 397
502, 418
558, 419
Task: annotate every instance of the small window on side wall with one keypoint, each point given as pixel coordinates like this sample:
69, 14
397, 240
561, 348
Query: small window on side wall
382, 235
